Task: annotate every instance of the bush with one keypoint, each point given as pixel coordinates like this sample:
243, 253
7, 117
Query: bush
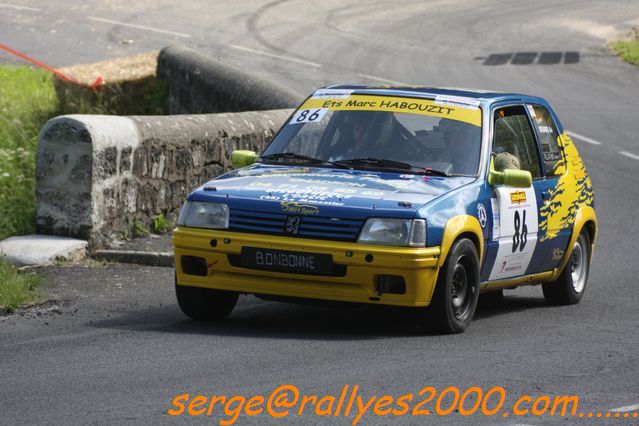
160, 224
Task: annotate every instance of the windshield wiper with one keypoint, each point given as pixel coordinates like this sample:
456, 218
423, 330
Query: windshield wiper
391, 164
304, 158
377, 162
429, 171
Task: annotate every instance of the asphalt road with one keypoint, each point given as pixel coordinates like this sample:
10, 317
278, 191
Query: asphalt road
114, 348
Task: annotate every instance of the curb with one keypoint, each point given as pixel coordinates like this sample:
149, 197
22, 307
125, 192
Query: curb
164, 259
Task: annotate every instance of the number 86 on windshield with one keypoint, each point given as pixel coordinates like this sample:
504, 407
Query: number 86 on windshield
308, 116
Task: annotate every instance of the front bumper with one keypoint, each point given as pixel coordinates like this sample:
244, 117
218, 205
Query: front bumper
418, 267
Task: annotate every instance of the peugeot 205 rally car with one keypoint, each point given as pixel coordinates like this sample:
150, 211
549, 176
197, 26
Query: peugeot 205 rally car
415, 197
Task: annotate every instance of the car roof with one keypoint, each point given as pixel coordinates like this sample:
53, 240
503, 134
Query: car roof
483, 96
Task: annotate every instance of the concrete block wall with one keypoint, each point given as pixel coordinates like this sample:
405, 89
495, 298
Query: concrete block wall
197, 84
96, 175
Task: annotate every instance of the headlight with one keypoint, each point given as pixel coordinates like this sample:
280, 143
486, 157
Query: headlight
394, 232
204, 215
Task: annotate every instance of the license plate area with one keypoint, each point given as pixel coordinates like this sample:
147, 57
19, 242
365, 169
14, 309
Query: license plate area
294, 262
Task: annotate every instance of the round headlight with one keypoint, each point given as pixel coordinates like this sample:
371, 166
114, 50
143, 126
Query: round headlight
197, 214
394, 232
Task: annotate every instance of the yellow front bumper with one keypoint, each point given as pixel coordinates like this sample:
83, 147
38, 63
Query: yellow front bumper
418, 267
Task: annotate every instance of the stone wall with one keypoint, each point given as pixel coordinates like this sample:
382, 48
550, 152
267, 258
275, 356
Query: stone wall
97, 175
197, 84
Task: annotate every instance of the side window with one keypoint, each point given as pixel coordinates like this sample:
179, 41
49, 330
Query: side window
548, 133
514, 145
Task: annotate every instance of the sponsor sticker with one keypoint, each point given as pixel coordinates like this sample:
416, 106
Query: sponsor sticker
517, 232
552, 156
294, 207
495, 207
467, 113
457, 101
518, 197
331, 93
531, 110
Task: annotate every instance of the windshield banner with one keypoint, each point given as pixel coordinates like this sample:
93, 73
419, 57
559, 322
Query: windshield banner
320, 105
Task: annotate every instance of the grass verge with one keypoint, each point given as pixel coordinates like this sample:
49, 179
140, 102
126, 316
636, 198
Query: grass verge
28, 98
16, 288
628, 49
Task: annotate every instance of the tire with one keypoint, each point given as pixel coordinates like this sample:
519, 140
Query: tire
205, 304
456, 292
492, 299
570, 286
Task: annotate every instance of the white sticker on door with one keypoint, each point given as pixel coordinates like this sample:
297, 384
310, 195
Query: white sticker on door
517, 232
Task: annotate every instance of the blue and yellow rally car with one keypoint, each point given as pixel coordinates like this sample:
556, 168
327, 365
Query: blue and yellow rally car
415, 197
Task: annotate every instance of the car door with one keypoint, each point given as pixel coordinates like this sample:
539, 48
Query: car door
551, 242
515, 210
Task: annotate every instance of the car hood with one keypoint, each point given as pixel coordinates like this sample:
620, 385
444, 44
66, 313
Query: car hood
326, 191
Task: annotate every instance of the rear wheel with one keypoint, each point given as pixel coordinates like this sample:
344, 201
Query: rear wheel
570, 287
205, 304
457, 290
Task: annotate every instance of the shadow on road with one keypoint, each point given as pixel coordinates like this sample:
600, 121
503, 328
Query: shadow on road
530, 58
273, 320
510, 305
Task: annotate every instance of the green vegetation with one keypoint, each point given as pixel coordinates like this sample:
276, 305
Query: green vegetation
628, 50
27, 100
160, 224
139, 230
628, 47
16, 288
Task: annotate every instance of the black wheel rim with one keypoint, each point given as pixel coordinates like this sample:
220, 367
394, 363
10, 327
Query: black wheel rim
461, 290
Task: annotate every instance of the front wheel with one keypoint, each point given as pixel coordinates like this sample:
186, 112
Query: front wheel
570, 286
204, 303
456, 291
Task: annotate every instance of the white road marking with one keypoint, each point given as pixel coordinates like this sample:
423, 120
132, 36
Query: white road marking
15, 6
139, 27
583, 138
634, 407
385, 80
273, 55
634, 157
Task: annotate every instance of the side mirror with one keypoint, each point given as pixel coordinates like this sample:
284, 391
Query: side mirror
243, 158
511, 177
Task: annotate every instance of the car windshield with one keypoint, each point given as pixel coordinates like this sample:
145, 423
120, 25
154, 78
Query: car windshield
365, 131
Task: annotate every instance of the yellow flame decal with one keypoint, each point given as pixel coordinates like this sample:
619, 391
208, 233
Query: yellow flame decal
573, 191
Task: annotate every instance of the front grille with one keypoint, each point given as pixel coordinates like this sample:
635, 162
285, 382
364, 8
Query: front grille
329, 228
